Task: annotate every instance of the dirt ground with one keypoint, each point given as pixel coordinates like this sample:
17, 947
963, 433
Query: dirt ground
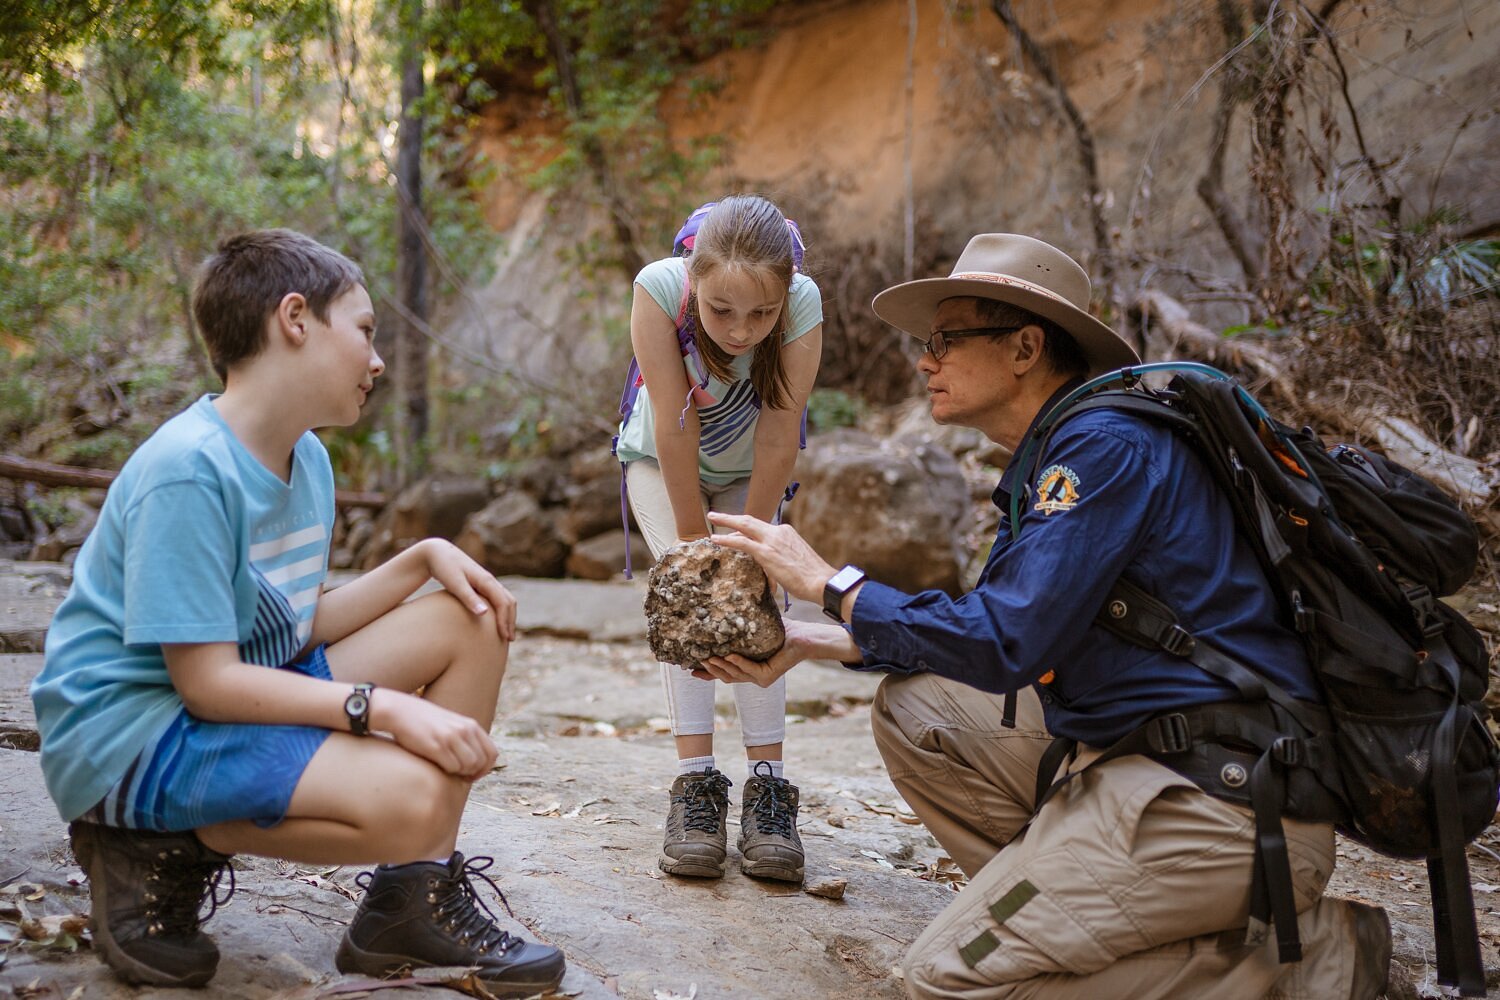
572, 818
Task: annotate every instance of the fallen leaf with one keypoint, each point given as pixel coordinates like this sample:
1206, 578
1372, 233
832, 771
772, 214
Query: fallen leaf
660, 994
547, 810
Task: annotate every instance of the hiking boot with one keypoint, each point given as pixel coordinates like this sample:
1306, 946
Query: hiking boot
1372, 950
427, 914
146, 890
768, 842
696, 830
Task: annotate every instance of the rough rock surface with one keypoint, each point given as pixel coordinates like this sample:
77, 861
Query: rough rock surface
705, 600
513, 535
893, 508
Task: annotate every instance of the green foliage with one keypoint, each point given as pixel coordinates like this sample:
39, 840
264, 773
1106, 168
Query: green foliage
132, 140
830, 408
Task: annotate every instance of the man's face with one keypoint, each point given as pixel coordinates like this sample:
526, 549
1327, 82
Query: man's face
970, 382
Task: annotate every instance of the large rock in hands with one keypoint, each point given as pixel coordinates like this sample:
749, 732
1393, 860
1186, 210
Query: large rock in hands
705, 600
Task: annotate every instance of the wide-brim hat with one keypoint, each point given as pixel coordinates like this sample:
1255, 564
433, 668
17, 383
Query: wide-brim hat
1023, 272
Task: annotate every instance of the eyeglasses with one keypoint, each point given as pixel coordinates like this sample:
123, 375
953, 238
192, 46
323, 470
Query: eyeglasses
938, 345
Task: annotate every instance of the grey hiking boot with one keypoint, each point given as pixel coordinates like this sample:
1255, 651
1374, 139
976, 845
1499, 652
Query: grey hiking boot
146, 890
427, 914
694, 844
768, 829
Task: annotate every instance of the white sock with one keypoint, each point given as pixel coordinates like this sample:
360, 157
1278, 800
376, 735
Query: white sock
693, 765
754, 769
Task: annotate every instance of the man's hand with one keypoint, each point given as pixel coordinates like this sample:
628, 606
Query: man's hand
782, 553
454, 742
804, 641
474, 586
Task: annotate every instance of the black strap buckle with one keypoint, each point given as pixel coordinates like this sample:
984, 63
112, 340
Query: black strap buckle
1288, 750
1302, 619
1170, 734
1177, 640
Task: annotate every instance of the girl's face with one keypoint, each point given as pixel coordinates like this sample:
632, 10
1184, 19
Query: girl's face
739, 307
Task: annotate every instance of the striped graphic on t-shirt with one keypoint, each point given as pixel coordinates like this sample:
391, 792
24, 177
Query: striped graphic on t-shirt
725, 422
289, 571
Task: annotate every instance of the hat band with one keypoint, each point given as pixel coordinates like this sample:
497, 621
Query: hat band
1006, 279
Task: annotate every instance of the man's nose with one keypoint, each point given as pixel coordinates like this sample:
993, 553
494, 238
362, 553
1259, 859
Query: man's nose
926, 363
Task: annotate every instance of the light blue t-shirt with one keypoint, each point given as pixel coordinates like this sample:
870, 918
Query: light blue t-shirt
727, 413
197, 542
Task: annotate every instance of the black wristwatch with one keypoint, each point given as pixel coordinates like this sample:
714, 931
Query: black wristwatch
357, 708
834, 590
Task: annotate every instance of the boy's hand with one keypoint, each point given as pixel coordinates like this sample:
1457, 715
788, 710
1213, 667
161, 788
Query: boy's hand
474, 586
454, 742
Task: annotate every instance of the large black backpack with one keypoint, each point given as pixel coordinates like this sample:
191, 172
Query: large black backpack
1358, 549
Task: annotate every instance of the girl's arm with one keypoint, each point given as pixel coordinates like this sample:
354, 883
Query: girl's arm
777, 430
653, 334
349, 608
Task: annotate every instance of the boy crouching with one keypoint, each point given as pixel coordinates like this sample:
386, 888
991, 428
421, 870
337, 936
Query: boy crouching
203, 697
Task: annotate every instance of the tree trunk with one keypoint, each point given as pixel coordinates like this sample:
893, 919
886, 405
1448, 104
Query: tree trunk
631, 258
411, 256
1042, 60
1244, 243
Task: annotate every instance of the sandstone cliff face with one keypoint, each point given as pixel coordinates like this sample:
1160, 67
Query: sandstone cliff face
815, 117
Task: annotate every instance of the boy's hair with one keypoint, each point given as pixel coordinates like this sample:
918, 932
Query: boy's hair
745, 232
242, 283
1059, 349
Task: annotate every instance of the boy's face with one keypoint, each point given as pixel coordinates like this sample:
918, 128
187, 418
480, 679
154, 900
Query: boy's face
345, 351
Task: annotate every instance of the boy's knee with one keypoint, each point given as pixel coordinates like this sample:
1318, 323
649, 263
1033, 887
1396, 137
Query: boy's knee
423, 816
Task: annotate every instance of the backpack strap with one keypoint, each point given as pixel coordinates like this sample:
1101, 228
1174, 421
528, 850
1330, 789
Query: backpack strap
687, 343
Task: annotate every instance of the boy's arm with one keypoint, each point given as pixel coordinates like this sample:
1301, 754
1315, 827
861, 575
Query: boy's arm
777, 431
349, 608
217, 686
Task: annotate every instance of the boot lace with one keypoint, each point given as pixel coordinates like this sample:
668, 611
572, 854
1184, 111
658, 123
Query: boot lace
702, 799
773, 809
175, 894
466, 916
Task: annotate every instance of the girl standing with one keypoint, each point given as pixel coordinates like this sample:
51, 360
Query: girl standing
720, 431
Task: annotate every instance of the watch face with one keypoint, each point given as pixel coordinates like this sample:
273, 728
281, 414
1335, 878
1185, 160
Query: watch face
357, 704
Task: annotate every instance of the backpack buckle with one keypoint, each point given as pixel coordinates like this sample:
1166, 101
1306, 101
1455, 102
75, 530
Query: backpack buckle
1287, 750
1302, 619
1177, 640
1425, 607
1169, 734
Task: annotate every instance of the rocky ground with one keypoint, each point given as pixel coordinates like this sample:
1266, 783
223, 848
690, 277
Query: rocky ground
572, 818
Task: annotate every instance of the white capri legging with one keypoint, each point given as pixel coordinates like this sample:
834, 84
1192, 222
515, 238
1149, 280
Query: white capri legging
690, 701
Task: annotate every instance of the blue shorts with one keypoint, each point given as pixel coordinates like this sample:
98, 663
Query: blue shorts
197, 773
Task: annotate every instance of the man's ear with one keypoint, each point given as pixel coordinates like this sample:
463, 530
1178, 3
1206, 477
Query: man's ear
291, 318
1028, 342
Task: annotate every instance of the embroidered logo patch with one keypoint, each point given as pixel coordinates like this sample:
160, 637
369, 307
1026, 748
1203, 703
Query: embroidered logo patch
1056, 490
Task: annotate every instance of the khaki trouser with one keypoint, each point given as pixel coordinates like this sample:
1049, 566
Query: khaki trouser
1130, 883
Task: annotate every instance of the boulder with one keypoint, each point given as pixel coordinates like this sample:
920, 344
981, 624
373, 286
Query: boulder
68, 536
894, 508
512, 536
603, 556
704, 600
436, 507
591, 496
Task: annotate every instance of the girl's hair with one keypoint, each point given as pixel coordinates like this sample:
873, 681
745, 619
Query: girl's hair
746, 232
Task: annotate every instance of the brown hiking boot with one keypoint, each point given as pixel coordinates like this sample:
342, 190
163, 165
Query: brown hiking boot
768, 829
1372, 950
146, 890
427, 914
694, 845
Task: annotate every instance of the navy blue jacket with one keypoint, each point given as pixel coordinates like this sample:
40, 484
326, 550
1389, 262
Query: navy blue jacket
1114, 495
